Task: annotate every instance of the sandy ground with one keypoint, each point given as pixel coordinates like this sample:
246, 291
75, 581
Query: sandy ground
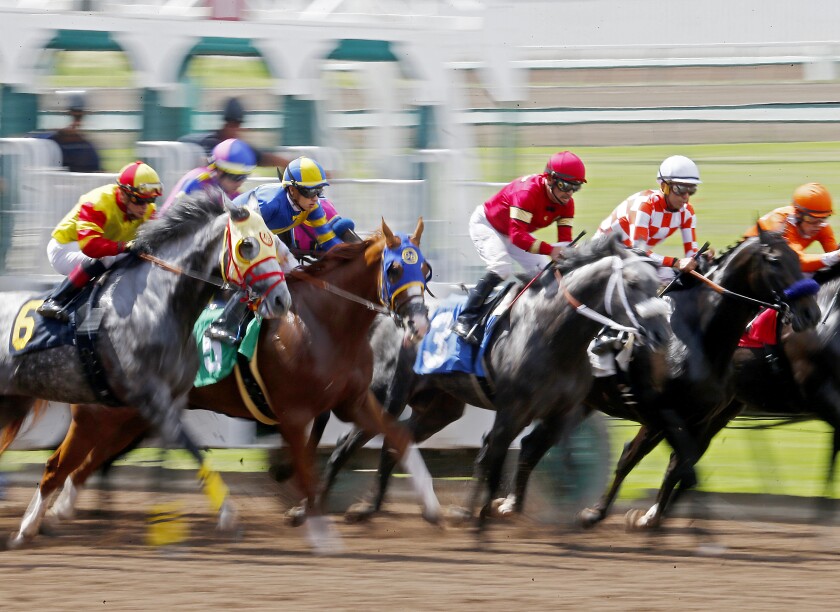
398, 562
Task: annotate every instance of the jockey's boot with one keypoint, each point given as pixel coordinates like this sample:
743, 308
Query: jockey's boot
226, 327
54, 307
467, 320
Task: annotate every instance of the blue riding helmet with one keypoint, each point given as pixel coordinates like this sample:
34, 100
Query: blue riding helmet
304, 172
411, 259
232, 156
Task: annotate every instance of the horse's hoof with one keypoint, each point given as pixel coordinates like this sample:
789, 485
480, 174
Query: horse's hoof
638, 520
458, 516
16, 541
589, 517
361, 512
296, 516
433, 516
228, 519
504, 507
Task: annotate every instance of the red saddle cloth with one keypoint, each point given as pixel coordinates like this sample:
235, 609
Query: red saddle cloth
761, 331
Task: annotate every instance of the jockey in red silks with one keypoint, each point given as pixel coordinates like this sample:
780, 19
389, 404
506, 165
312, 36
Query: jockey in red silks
231, 164
501, 229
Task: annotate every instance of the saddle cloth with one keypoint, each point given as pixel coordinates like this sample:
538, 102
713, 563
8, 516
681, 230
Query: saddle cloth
31, 332
218, 359
443, 352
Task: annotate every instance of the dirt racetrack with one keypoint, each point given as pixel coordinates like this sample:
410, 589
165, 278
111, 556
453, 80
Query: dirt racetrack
398, 562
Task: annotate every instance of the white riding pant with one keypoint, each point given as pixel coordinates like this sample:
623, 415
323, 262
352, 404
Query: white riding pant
497, 251
66, 256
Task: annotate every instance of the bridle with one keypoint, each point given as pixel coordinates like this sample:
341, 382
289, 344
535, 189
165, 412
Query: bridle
614, 285
231, 271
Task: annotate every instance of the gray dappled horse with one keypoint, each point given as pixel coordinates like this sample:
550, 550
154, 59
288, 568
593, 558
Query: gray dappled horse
145, 340
537, 359
691, 405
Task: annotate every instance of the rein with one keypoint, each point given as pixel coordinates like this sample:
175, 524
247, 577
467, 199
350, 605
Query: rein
612, 286
723, 291
341, 292
178, 270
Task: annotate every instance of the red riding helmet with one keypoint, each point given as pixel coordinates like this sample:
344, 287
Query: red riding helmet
140, 180
566, 166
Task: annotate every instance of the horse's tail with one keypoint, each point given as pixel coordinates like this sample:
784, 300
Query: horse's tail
21, 410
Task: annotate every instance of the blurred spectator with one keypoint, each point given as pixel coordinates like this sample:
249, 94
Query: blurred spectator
78, 154
234, 117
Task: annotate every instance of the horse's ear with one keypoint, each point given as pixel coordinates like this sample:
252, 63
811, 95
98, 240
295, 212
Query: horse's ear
418, 231
390, 240
760, 232
237, 213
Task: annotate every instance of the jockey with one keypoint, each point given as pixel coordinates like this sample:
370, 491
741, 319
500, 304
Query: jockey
804, 222
230, 165
98, 231
648, 217
501, 229
295, 201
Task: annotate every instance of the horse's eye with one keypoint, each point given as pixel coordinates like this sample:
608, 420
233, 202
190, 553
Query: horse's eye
395, 271
248, 248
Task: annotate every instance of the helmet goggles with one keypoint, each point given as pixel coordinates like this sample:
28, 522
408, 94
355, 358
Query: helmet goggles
683, 188
563, 185
309, 192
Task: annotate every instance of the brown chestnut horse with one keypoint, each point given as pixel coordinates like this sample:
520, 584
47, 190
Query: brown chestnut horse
318, 359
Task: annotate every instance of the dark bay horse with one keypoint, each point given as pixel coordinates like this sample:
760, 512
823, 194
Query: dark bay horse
147, 312
800, 377
537, 357
318, 359
691, 406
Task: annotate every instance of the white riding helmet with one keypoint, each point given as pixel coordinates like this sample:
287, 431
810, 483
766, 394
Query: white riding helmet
679, 169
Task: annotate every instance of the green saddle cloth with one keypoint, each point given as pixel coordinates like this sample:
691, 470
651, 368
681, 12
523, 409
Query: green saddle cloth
218, 358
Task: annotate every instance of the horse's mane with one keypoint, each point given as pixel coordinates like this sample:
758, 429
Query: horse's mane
771, 238
338, 255
184, 217
590, 252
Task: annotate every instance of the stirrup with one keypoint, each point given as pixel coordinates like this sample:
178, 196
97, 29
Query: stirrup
220, 333
466, 333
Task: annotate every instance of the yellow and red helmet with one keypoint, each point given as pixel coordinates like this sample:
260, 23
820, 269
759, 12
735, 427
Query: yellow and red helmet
813, 199
140, 180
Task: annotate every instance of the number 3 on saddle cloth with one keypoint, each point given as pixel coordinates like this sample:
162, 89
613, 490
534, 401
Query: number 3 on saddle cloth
31, 332
442, 351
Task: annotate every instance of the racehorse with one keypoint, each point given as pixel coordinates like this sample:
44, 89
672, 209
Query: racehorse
800, 377
147, 358
317, 360
536, 360
691, 406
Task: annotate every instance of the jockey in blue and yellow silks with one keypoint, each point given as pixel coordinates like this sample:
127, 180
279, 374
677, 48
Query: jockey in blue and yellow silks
284, 206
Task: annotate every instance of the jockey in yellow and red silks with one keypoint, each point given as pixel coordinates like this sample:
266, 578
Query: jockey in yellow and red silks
98, 230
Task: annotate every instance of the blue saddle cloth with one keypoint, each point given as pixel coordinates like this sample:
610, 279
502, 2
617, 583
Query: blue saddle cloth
443, 352
31, 332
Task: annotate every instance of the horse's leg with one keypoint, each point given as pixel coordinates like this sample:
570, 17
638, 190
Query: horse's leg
533, 447
373, 420
323, 538
127, 427
429, 415
490, 465
638, 448
81, 437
